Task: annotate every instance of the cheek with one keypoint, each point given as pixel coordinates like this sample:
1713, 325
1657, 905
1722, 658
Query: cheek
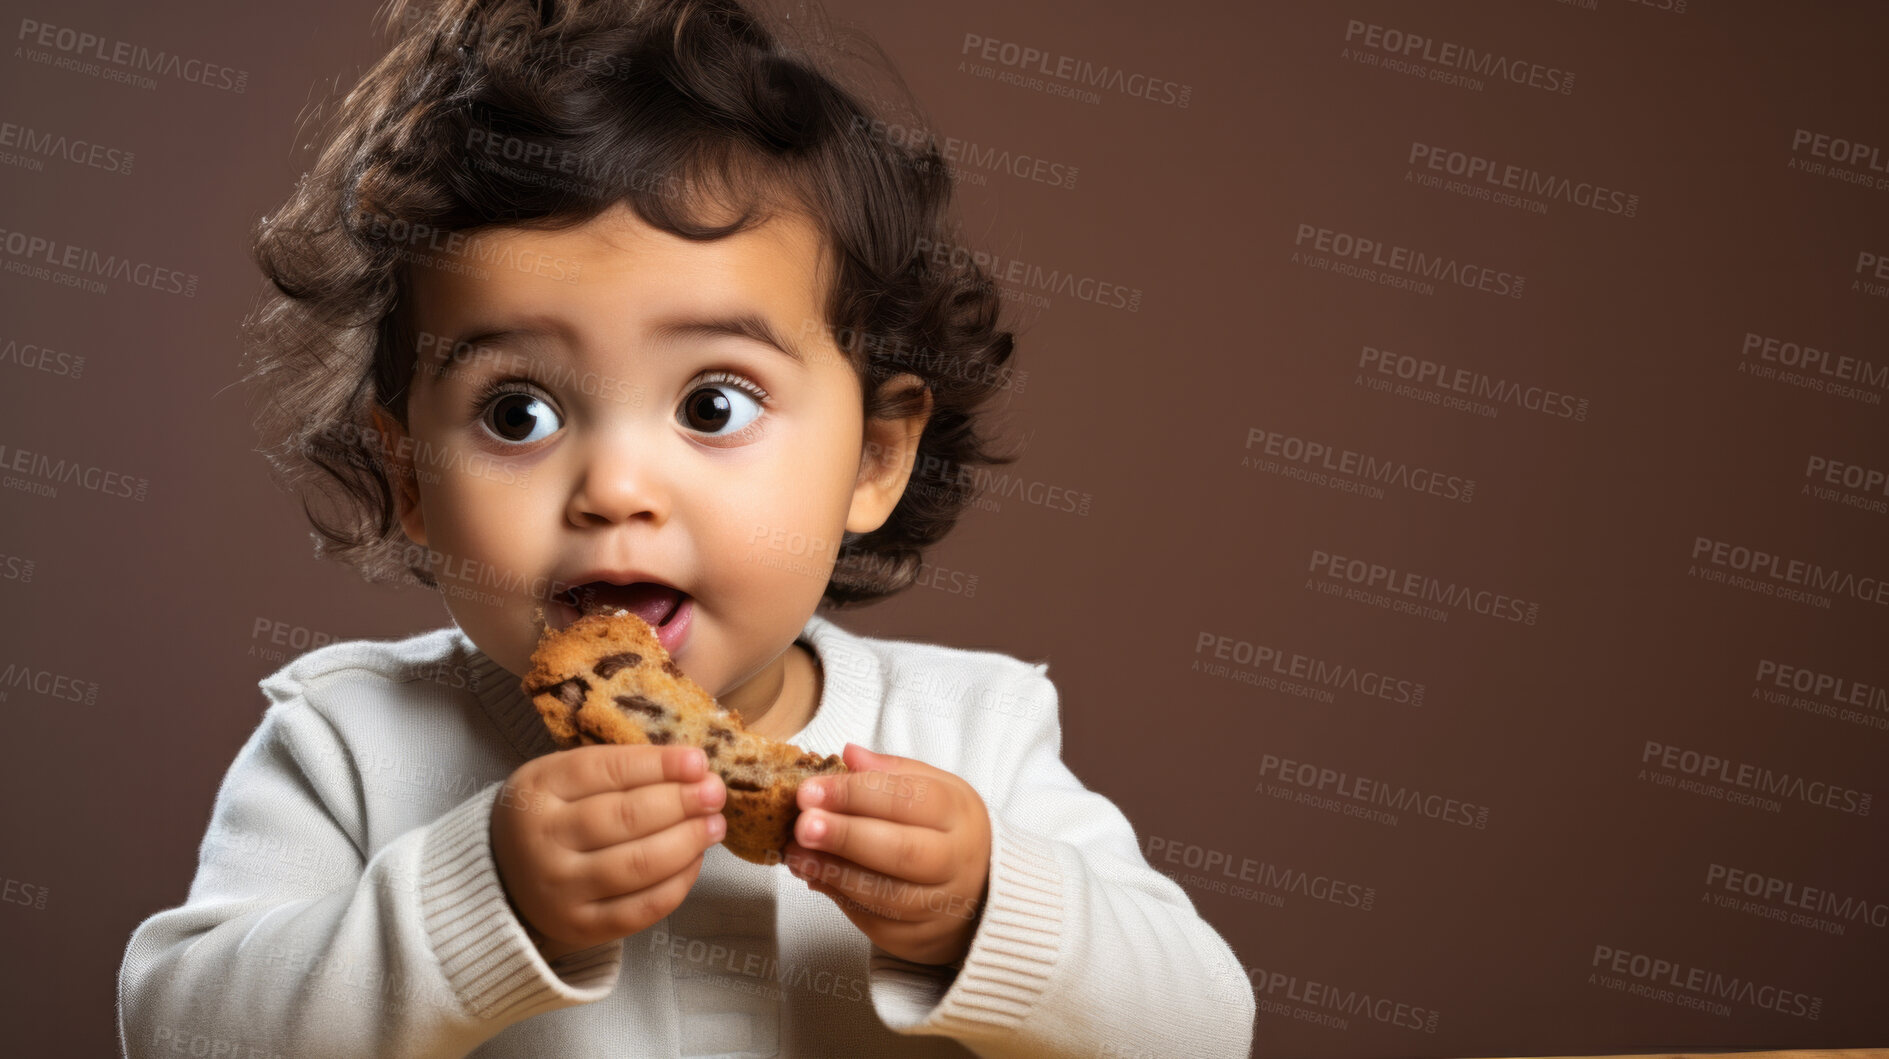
475, 501
783, 524
493, 572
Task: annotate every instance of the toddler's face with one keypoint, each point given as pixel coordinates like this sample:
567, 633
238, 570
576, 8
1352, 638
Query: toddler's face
618, 423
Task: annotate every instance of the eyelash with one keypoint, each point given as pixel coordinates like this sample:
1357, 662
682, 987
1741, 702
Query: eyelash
739, 382
497, 388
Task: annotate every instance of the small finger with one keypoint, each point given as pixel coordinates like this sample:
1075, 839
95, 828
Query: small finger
626, 914
614, 817
860, 759
858, 890
639, 865
901, 851
901, 797
588, 770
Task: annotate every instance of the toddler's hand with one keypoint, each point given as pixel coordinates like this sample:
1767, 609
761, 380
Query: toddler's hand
902, 847
596, 843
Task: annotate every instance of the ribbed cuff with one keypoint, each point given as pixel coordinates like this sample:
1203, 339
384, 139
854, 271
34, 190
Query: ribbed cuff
491, 965
1008, 967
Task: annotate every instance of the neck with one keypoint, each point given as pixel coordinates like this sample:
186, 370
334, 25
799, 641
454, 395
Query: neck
780, 699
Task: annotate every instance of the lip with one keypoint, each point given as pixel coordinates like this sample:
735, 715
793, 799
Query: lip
616, 576
672, 633
674, 630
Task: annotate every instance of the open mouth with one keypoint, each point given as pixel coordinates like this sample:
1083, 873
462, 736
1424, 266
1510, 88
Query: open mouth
654, 603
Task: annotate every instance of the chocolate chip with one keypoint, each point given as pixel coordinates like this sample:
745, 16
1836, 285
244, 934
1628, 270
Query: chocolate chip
710, 750
735, 784
569, 692
661, 738
609, 665
716, 731
642, 705
671, 668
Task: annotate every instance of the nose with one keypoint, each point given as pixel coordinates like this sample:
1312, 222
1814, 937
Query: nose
618, 481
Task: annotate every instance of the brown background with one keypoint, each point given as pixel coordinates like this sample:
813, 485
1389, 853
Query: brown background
155, 604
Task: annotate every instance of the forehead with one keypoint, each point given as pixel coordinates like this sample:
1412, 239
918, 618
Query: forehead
616, 279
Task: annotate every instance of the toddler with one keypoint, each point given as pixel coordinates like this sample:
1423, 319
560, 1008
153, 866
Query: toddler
629, 302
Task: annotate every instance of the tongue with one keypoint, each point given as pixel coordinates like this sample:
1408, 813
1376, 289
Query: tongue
648, 601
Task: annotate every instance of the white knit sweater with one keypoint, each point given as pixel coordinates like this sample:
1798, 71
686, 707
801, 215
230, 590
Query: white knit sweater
346, 902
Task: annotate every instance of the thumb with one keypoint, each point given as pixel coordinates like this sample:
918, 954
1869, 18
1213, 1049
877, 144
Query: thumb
859, 759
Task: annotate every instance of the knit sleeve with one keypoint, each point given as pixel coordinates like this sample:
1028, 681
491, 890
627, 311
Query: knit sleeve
292, 942
1082, 948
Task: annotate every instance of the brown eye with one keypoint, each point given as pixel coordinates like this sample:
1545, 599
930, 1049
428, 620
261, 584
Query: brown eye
719, 408
520, 417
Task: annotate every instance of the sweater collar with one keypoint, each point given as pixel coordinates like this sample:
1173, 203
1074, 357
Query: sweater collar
850, 693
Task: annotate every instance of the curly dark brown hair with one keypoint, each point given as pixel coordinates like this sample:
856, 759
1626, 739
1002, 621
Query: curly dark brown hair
669, 106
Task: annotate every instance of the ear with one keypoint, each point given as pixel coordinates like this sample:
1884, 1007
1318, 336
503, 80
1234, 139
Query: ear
397, 448
886, 459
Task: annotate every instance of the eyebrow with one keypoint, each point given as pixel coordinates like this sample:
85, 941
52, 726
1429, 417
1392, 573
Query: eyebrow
748, 325
752, 326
